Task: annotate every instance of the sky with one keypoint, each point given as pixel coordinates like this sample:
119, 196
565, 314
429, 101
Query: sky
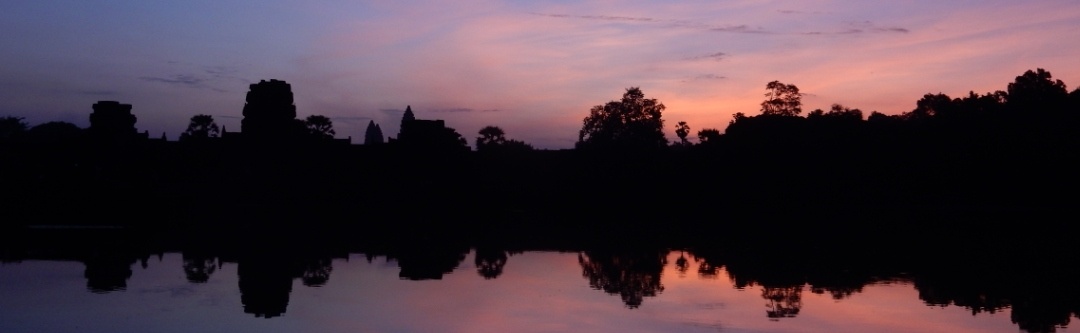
533, 68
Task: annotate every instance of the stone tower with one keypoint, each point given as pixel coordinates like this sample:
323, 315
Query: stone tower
269, 112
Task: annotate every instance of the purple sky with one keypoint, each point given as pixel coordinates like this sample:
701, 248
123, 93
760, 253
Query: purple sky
533, 68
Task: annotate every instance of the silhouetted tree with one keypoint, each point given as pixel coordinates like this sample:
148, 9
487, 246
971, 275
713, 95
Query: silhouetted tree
54, 132
708, 135
490, 136
682, 130
493, 139
930, 106
202, 126
881, 118
1036, 91
11, 127
781, 100
1074, 100
319, 127
839, 112
633, 122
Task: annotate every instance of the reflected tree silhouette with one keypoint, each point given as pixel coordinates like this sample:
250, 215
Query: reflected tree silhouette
199, 267
837, 293
707, 269
490, 262
783, 302
633, 275
682, 264
317, 272
429, 262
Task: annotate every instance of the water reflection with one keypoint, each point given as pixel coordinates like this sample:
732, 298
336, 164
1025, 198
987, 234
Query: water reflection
107, 272
784, 302
265, 284
727, 282
490, 261
631, 274
199, 266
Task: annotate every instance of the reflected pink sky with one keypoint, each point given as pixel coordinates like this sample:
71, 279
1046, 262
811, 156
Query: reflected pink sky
532, 67
538, 292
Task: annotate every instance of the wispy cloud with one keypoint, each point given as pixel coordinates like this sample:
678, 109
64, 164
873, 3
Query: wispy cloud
92, 92
351, 120
861, 27
223, 73
198, 76
742, 28
179, 79
718, 56
184, 80
603, 17
853, 27
454, 110
792, 11
705, 77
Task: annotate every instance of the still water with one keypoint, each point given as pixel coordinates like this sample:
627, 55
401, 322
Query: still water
528, 291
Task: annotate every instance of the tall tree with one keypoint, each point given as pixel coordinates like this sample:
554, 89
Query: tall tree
319, 126
781, 100
202, 126
632, 122
682, 130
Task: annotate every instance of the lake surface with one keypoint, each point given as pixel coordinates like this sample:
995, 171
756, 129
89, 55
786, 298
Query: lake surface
463, 290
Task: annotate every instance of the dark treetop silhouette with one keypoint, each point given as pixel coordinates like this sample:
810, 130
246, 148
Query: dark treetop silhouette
630, 123
202, 127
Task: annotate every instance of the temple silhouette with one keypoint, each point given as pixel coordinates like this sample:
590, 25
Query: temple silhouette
269, 113
427, 134
113, 121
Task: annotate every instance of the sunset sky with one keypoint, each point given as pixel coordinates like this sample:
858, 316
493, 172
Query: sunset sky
533, 68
